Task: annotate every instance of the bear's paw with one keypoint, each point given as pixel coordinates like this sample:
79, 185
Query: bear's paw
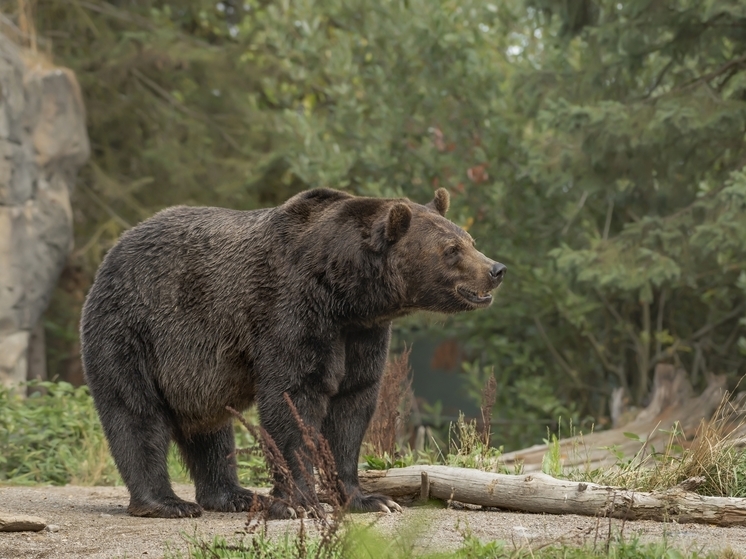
169, 507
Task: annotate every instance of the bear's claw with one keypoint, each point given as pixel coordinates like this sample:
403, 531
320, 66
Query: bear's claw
374, 503
394, 506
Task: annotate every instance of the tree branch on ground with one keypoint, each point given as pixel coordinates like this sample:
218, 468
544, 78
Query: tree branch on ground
540, 493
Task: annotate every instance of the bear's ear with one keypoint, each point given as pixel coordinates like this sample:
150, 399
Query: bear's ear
441, 201
397, 222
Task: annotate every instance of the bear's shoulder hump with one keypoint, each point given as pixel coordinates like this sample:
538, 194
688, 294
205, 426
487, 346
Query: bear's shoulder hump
313, 200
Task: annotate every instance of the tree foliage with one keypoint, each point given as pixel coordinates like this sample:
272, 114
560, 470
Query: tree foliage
595, 147
639, 133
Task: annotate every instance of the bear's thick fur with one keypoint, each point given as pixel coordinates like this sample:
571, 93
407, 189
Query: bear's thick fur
196, 309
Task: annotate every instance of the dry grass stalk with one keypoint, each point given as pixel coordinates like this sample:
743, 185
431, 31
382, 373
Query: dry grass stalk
394, 405
315, 455
279, 470
713, 453
489, 395
20, 28
26, 25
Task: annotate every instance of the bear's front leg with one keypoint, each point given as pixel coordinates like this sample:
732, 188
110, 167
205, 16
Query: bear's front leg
351, 410
298, 496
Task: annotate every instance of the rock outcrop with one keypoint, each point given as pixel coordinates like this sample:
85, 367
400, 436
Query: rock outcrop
43, 143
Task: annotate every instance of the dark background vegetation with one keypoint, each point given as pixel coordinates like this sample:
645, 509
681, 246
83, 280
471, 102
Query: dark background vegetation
595, 147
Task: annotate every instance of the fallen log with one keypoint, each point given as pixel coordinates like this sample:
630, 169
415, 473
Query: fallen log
540, 493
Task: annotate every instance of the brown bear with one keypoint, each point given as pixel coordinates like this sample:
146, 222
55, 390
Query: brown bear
196, 309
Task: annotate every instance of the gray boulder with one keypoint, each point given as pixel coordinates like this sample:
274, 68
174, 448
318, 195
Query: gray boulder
43, 143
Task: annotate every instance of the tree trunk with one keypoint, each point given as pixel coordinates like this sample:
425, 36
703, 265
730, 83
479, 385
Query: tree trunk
540, 493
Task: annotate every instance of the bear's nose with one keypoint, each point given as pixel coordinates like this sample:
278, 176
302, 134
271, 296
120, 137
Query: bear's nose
497, 273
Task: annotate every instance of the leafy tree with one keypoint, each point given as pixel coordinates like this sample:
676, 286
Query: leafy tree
639, 136
633, 151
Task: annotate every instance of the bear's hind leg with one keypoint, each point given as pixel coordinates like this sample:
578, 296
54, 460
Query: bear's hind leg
211, 460
139, 445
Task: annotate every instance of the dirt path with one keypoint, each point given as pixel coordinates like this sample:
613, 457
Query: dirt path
93, 524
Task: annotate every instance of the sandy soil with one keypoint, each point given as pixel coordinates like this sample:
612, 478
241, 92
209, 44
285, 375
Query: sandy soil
91, 522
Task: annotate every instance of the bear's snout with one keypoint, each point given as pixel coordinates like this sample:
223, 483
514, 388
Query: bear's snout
497, 273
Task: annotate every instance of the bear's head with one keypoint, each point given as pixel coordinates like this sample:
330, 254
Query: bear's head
441, 269
413, 258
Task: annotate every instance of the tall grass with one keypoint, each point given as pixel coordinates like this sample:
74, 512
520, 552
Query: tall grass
712, 463
393, 408
53, 436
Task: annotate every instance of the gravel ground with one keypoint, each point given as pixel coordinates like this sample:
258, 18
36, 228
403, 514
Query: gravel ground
91, 522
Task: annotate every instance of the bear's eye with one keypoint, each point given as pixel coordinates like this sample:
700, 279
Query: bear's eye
452, 250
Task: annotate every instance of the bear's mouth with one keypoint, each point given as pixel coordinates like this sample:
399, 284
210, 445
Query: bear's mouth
480, 299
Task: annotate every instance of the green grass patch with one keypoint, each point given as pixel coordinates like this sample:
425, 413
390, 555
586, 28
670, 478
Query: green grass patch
54, 437
466, 448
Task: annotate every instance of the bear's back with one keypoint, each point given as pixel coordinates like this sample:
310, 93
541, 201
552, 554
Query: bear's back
181, 256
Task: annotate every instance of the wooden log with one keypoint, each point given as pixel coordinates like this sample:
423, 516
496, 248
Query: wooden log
540, 493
